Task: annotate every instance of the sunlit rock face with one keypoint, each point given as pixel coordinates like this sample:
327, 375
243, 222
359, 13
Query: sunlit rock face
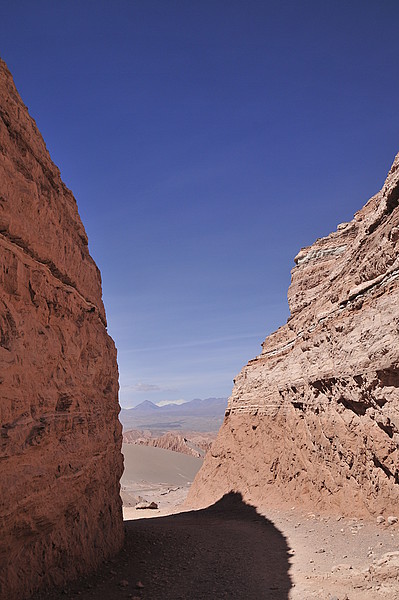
314, 419
60, 438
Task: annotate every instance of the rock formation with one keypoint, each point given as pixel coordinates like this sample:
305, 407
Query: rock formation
60, 438
314, 419
195, 444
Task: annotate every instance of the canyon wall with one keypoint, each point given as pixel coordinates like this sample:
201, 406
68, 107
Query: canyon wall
314, 419
60, 438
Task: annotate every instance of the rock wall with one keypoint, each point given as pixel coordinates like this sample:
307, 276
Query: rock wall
314, 419
60, 438
171, 440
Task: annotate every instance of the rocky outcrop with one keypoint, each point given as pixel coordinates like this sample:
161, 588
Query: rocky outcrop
171, 440
314, 419
60, 438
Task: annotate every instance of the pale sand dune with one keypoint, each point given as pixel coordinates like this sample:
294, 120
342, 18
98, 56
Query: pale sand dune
156, 465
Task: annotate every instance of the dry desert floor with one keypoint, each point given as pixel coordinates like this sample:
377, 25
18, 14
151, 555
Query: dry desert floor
234, 551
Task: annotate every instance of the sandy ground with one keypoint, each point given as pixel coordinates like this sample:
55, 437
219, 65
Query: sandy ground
232, 550
329, 558
340, 558
157, 465
146, 467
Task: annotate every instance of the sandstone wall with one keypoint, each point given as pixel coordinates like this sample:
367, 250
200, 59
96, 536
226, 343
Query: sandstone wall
314, 419
60, 438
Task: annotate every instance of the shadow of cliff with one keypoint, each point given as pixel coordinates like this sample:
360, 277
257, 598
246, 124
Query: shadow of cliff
225, 551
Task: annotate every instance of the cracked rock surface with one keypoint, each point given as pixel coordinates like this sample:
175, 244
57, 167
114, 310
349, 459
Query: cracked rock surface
314, 419
60, 438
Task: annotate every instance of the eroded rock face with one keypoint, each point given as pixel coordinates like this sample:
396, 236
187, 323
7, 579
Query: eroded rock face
171, 440
314, 419
60, 438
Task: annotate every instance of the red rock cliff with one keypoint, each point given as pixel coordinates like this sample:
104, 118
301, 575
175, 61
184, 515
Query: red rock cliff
314, 419
60, 438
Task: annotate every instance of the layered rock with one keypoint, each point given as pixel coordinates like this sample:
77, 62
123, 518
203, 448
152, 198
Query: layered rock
314, 419
193, 445
60, 438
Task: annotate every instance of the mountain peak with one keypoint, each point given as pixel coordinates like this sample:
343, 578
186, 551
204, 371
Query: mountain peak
146, 405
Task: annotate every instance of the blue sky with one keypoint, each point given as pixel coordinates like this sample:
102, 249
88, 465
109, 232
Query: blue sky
206, 143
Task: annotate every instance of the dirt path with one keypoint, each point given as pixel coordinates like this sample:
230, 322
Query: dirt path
340, 558
231, 551
226, 551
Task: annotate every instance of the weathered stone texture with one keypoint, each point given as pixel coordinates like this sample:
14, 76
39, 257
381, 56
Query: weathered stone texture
60, 438
314, 419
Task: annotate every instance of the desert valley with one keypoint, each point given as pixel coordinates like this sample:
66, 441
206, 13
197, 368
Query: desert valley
286, 490
164, 448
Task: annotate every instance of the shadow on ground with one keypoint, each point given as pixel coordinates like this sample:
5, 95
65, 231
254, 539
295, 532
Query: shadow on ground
225, 551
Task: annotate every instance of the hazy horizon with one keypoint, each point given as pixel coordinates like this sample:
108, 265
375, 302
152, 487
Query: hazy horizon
163, 403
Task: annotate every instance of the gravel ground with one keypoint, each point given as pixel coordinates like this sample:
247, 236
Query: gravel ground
226, 551
231, 551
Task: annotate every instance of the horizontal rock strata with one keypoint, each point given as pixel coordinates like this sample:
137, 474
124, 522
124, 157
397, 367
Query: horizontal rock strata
60, 438
192, 445
314, 419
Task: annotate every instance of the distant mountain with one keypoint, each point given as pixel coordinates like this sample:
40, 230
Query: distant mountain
196, 415
146, 406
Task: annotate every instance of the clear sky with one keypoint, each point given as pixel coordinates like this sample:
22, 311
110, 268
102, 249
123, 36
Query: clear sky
206, 142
